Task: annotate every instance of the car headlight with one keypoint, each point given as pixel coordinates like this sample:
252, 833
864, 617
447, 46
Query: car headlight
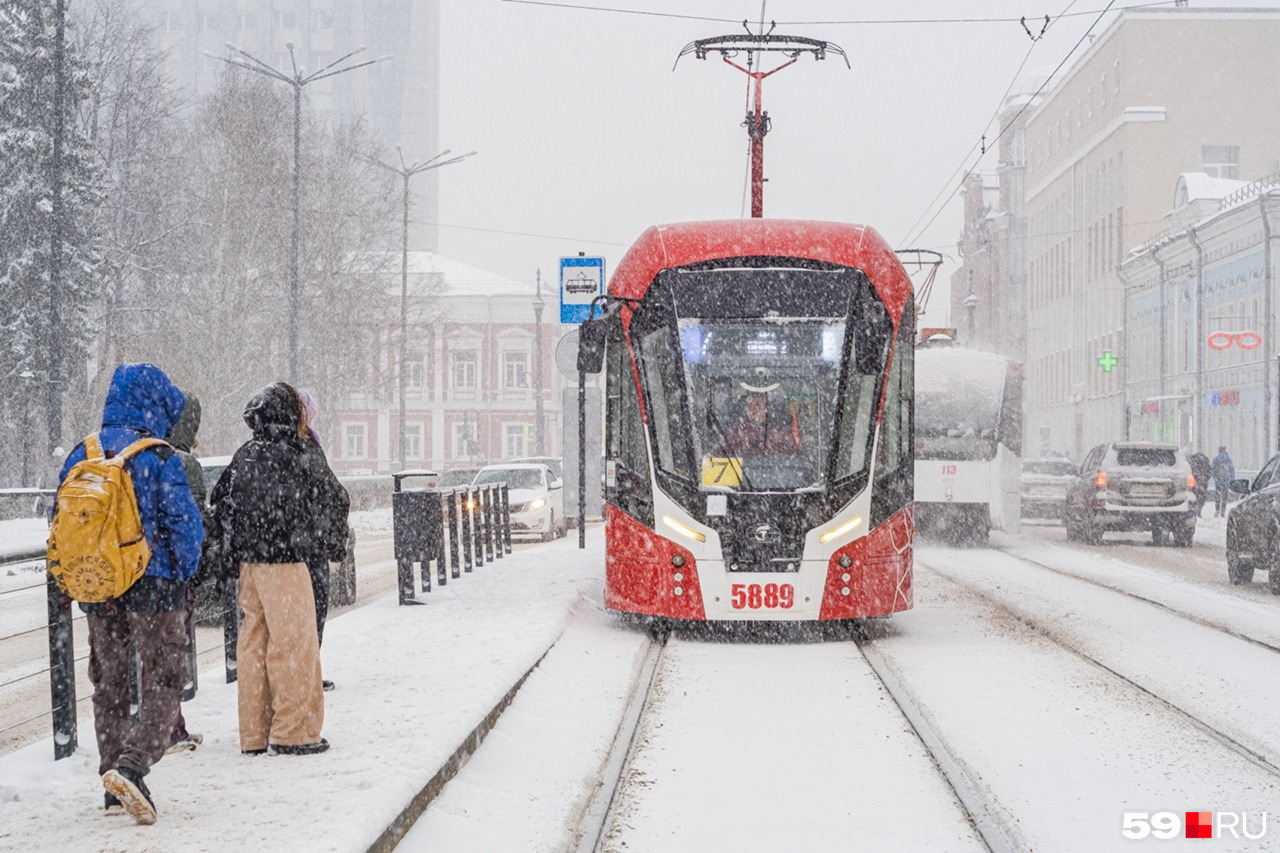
535, 504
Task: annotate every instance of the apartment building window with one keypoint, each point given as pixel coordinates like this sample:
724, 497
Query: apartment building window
245, 21
464, 369
413, 371
413, 441
285, 20
515, 370
1018, 149
515, 440
322, 19
207, 21
170, 22
353, 441
1220, 161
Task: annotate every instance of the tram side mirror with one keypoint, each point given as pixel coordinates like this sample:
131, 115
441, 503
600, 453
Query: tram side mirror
592, 337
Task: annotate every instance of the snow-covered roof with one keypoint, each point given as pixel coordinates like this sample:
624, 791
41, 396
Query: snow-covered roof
465, 280
1195, 186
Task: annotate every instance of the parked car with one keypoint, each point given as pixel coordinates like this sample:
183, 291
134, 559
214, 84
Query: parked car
1044, 486
1133, 486
1253, 527
454, 477
555, 463
535, 496
342, 579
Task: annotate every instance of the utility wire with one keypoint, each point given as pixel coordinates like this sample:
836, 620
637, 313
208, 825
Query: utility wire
913, 233
857, 22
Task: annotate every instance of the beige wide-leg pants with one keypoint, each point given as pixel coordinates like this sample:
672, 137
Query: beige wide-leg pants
278, 654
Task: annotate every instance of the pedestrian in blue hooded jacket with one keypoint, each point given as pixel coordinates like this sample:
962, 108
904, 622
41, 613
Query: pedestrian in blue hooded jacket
142, 403
1224, 471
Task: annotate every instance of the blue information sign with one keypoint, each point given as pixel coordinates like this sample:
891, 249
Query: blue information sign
581, 280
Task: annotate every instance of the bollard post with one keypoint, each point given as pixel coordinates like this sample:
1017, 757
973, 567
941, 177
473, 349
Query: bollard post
417, 527
468, 545
506, 518
451, 520
486, 509
435, 527
230, 625
499, 489
62, 670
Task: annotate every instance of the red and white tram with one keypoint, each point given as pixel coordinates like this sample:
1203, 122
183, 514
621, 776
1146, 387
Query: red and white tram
758, 423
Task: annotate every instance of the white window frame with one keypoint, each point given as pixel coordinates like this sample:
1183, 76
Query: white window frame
415, 372
515, 370
413, 434
207, 21
355, 443
461, 360
286, 19
515, 440
1220, 161
246, 21
321, 20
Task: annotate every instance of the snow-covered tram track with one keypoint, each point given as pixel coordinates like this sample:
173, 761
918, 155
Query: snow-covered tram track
1182, 598
982, 808
1104, 625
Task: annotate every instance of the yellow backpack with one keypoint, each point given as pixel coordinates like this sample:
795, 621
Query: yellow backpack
97, 548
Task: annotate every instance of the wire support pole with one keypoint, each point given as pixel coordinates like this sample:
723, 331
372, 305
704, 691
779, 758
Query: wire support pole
757, 124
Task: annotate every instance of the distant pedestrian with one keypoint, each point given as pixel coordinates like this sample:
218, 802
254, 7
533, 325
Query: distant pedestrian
1202, 470
182, 438
141, 404
1224, 471
266, 507
332, 516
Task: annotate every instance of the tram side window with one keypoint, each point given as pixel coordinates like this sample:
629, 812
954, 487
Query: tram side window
894, 452
626, 435
660, 357
869, 340
1010, 427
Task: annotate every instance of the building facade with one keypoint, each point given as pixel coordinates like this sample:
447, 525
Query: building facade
471, 373
400, 96
1103, 149
1201, 320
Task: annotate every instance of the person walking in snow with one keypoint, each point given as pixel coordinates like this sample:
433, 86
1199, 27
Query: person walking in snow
142, 403
332, 516
1224, 471
182, 438
265, 514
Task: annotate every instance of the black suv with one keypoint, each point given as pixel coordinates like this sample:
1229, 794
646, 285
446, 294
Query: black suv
1253, 527
1133, 485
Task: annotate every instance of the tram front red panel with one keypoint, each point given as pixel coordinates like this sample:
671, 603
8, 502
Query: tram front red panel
879, 576
639, 575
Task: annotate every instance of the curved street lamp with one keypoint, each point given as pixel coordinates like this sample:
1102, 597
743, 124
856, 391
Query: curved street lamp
297, 81
407, 171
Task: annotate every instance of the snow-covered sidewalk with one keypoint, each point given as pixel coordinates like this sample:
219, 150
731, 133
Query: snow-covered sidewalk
413, 683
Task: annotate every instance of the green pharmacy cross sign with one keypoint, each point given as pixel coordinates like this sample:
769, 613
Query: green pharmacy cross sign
1107, 361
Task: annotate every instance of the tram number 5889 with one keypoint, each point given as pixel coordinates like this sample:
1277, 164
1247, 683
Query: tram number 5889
753, 596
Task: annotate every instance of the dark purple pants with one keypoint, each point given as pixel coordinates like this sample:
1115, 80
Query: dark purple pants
161, 640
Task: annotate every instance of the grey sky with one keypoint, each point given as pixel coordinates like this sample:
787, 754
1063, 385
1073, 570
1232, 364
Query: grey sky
587, 135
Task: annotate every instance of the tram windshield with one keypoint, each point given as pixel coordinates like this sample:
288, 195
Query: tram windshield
960, 403
766, 407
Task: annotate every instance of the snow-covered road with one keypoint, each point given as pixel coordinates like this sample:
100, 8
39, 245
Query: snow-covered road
1067, 691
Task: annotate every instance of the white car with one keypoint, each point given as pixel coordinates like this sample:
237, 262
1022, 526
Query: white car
535, 496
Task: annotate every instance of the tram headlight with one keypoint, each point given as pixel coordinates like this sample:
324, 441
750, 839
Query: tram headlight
841, 530
682, 529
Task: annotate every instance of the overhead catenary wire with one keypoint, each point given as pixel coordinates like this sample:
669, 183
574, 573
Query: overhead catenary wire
582, 7
912, 234
1023, 108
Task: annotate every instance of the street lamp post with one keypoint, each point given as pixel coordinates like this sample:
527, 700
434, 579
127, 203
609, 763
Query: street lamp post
406, 172
297, 81
540, 443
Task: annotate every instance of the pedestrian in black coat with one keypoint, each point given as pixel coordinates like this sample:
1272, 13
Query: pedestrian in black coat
270, 512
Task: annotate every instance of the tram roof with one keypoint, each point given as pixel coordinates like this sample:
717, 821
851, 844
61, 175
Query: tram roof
679, 244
